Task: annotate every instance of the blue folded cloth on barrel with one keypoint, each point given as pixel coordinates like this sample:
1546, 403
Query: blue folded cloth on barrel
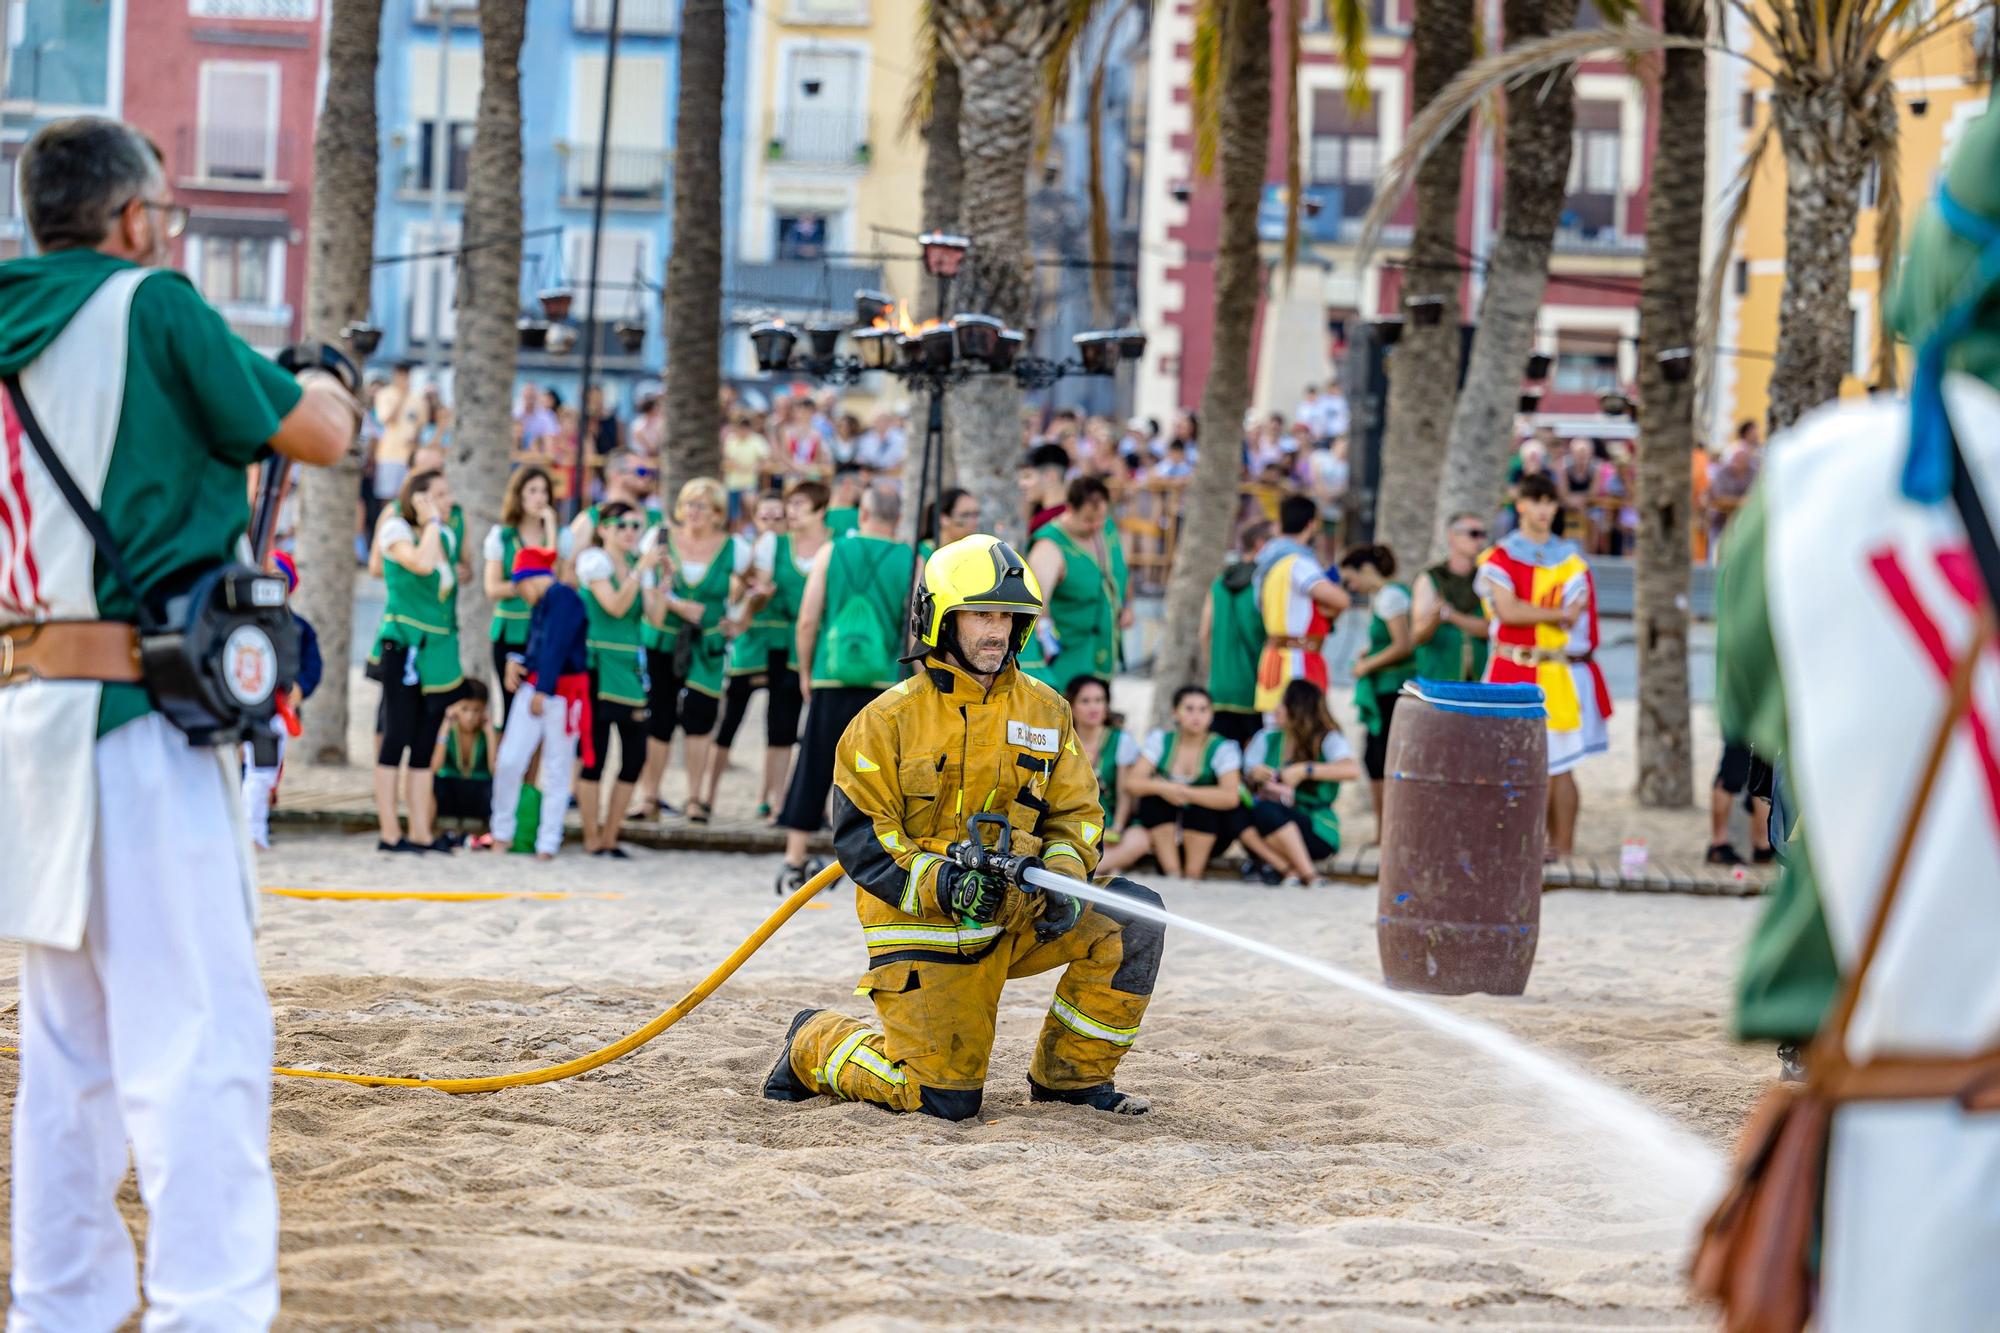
1474, 697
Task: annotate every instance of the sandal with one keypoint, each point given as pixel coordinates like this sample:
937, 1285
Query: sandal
698, 813
399, 845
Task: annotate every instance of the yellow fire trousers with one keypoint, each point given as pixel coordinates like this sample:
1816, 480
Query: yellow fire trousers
937, 1016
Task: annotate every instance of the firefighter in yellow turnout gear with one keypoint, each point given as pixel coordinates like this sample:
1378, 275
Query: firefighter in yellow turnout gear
946, 919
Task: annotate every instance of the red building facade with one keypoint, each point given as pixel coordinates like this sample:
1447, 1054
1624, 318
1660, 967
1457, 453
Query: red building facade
1589, 319
229, 90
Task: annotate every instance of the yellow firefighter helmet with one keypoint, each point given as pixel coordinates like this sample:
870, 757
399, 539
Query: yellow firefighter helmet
976, 573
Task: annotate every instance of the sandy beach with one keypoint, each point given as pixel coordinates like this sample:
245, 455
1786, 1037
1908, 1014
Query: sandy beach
1311, 1162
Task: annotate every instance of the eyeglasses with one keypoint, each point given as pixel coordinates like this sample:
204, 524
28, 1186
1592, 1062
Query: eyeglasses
175, 215
1477, 534
643, 472
629, 525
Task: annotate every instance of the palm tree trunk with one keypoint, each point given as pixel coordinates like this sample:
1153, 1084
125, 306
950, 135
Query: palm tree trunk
944, 167
1427, 357
1242, 143
1827, 145
343, 234
489, 281
999, 47
1540, 116
1667, 320
694, 272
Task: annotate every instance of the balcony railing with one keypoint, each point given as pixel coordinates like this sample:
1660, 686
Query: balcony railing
268, 328
418, 164
1589, 226
631, 175
824, 138
226, 156
636, 18
458, 11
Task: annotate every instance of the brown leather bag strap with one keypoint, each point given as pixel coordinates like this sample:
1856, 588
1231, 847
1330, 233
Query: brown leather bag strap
1827, 1061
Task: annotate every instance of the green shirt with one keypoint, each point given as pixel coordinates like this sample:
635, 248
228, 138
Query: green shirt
844, 520
1235, 639
199, 405
877, 570
617, 656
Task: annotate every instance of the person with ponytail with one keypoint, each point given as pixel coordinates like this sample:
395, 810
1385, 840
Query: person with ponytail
1292, 773
1379, 673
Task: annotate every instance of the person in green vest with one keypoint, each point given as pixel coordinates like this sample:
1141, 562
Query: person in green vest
765, 655
463, 761
415, 655
611, 575
1293, 770
1187, 781
527, 518
851, 629
951, 517
1082, 588
1111, 750
1232, 637
1447, 622
843, 511
703, 568
1381, 671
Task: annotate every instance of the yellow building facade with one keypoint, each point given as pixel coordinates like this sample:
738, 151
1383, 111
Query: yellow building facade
829, 175
1939, 89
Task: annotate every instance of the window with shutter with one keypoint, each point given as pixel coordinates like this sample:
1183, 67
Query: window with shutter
439, 274
239, 114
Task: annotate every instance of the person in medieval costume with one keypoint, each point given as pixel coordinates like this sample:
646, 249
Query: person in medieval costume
1542, 602
1855, 583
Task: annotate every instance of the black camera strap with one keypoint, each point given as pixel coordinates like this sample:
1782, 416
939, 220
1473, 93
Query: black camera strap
93, 522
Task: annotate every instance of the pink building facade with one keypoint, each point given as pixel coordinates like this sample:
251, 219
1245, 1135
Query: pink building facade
229, 90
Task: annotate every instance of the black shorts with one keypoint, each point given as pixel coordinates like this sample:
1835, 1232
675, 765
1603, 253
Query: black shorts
465, 798
1267, 817
506, 696
1742, 773
1155, 813
782, 703
670, 705
1375, 754
630, 723
1234, 726
409, 719
827, 717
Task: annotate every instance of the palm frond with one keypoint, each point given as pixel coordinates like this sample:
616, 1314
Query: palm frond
1888, 162
1100, 211
1294, 170
1349, 21
1056, 67
930, 52
1735, 208
1204, 79
1478, 81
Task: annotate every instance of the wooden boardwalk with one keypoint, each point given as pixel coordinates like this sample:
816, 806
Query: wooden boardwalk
342, 798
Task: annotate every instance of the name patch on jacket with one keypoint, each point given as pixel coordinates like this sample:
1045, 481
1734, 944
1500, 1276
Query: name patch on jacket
1042, 740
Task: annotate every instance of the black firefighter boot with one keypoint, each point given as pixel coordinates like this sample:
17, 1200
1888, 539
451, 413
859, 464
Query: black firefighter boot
1101, 1097
782, 1084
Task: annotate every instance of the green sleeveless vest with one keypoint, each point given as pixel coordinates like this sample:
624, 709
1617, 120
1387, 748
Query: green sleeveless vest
617, 654
1451, 654
705, 664
1203, 776
510, 614
1235, 639
420, 613
1084, 607
1370, 690
480, 767
1107, 772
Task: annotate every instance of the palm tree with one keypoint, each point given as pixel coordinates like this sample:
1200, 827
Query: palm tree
1667, 324
1540, 118
489, 281
932, 112
1000, 49
343, 233
1231, 89
694, 271
1427, 356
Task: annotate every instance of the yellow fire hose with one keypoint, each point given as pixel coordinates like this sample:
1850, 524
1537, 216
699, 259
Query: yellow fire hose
624, 1045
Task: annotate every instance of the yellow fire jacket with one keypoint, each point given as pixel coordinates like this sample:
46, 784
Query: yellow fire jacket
923, 758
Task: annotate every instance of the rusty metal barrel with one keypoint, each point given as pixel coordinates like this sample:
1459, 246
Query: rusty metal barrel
1462, 838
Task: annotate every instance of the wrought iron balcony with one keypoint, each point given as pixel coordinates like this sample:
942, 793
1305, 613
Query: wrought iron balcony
631, 175
821, 137
268, 328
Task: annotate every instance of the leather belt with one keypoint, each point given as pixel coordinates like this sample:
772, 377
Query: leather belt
1288, 644
1973, 1081
1529, 657
102, 650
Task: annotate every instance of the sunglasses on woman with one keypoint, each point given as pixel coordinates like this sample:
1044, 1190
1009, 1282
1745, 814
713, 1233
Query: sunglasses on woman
629, 525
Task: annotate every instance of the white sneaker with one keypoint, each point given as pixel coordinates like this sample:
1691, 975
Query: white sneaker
1291, 882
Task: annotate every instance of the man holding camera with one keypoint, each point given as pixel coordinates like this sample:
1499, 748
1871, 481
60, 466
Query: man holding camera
948, 918
143, 1020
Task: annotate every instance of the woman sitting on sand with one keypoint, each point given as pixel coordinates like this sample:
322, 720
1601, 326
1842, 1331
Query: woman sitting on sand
1295, 770
527, 518
1111, 751
1186, 781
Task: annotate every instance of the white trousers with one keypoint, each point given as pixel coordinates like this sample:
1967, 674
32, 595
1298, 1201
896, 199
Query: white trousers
258, 784
525, 734
155, 1032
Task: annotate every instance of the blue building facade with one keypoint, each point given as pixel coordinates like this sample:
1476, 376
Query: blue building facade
424, 91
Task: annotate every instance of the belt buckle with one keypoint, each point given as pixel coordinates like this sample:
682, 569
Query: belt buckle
6, 659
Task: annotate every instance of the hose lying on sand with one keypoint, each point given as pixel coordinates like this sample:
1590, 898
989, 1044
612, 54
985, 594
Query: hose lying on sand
605, 1055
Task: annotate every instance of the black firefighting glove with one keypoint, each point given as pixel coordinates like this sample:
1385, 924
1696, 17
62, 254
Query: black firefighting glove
1060, 913
970, 897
